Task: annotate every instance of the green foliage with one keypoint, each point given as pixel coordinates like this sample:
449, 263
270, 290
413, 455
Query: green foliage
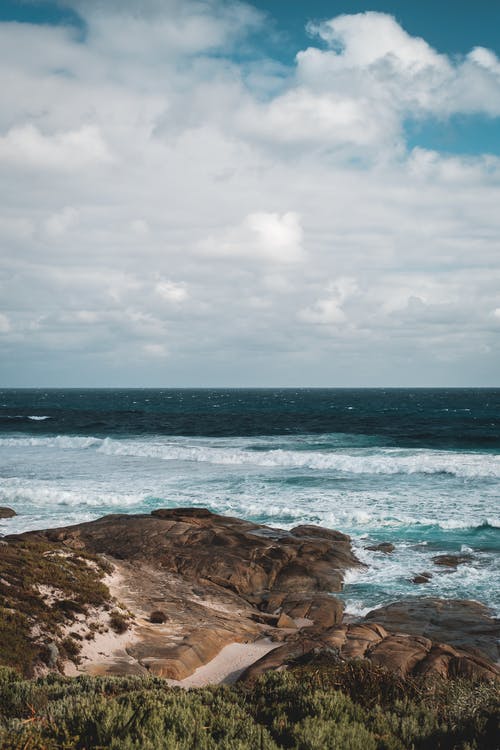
118, 622
16, 649
313, 706
29, 618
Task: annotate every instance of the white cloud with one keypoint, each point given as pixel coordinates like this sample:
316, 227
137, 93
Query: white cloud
56, 225
363, 39
262, 236
163, 197
329, 310
485, 58
171, 291
62, 150
5, 326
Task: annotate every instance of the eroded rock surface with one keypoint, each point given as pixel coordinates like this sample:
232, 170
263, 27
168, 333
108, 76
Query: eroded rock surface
461, 623
408, 655
218, 580
236, 555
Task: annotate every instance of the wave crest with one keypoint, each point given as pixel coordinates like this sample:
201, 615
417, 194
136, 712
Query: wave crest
385, 461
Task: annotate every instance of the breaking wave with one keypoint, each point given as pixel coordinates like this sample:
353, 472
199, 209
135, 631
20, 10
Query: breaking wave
386, 461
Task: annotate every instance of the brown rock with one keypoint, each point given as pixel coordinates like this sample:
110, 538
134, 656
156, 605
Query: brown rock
158, 617
176, 663
422, 577
408, 655
285, 621
7, 513
451, 561
220, 580
238, 555
318, 531
323, 610
278, 658
385, 547
461, 623
216, 580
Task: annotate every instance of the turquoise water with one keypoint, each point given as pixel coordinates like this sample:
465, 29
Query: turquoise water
418, 468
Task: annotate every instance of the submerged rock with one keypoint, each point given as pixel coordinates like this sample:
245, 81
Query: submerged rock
7, 513
424, 577
386, 547
451, 561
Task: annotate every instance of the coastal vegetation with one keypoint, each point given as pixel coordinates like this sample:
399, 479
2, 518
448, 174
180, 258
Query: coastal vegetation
327, 684
317, 704
45, 590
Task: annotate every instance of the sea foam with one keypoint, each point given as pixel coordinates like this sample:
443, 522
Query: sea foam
383, 461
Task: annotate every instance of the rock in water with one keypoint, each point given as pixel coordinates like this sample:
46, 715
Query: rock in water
7, 513
424, 577
451, 561
385, 547
462, 623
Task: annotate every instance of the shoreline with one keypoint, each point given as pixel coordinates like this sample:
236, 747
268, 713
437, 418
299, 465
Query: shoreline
192, 596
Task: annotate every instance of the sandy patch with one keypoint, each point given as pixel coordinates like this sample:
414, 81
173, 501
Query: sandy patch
228, 665
107, 648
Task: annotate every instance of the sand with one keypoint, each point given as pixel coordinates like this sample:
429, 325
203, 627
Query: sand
107, 648
228, 665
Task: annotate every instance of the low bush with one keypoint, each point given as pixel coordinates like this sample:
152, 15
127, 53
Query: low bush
118, 622
44, 588
322, 705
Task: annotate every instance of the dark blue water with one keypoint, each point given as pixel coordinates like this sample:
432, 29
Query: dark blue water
468, 418
420, 468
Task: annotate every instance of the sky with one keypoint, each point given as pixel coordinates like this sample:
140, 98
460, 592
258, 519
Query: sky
219, 193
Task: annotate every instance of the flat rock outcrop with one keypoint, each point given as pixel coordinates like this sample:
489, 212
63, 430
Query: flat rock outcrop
192, 582
462, 623
408, 655
240, 556
217, 580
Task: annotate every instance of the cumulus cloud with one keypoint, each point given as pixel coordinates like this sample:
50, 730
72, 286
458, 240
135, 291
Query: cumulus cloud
329, 310
63, 150
173, 212
364, 39
261, 236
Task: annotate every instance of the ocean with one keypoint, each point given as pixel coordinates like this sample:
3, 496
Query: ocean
418, 468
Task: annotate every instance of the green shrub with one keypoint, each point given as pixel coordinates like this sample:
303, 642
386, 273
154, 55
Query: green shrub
309, 707
28, 568
118, 622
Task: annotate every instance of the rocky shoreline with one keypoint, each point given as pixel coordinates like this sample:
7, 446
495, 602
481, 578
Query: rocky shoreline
171, 593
